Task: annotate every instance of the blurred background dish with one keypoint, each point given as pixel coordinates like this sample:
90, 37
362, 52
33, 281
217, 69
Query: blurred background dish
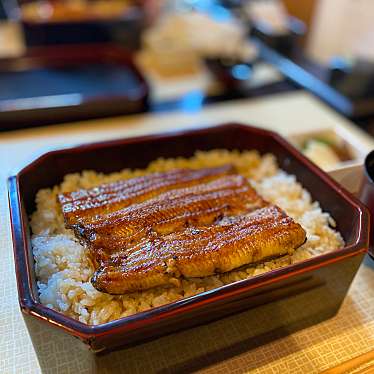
79, 82
73, 10
82, 21
178, 42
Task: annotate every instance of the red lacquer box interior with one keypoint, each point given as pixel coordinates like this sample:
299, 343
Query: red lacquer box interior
297, 295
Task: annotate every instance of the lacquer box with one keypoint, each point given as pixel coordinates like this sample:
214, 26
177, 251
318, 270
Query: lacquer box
296, 296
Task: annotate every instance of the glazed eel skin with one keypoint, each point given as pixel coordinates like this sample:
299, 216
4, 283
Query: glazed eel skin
194, 224
106, 198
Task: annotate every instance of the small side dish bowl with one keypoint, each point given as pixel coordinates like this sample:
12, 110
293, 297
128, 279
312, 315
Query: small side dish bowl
298, 295
344, 150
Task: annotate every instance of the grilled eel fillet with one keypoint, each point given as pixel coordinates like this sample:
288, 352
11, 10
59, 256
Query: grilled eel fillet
191, 223
171, 211
198, 252
85, 204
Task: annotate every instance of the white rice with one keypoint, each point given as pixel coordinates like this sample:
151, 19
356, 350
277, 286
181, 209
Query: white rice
63, 269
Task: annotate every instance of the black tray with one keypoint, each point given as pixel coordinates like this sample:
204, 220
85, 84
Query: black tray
66, 83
